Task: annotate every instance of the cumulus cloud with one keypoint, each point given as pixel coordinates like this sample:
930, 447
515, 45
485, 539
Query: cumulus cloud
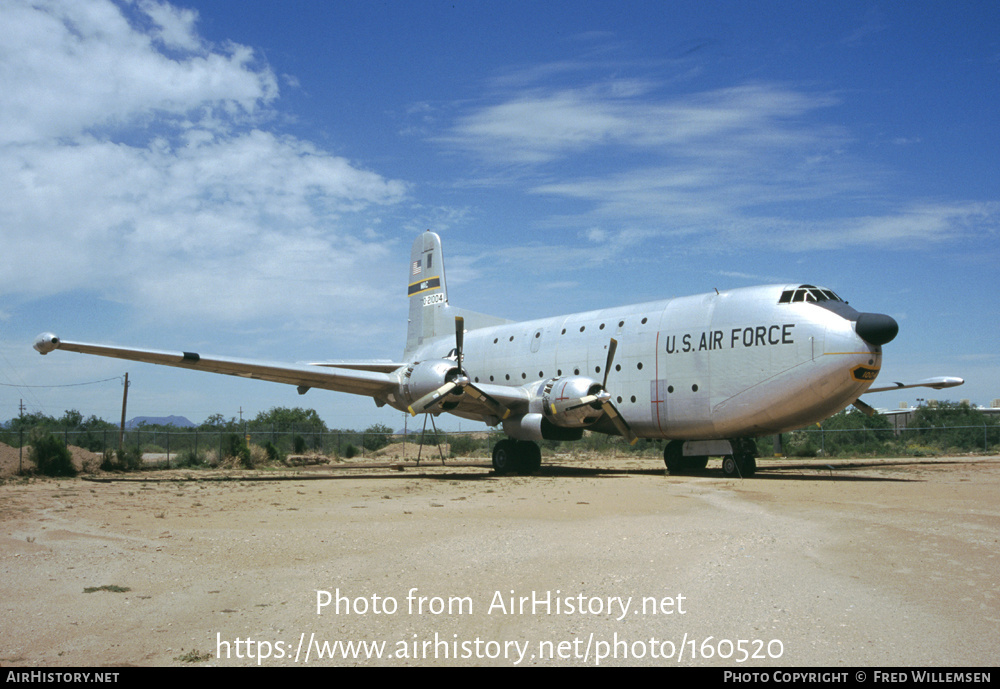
68, 67
137, 165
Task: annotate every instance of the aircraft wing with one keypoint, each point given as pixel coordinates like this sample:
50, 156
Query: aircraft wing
936, 383
359, 378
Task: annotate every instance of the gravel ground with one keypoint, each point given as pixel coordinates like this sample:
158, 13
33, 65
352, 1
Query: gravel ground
610, 561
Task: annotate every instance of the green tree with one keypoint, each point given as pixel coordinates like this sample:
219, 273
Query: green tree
851, 432
217, 422
951, 425
284, 419
377, 436
71, 419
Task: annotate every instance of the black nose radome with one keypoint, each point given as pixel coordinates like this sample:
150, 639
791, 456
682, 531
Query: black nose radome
876, 328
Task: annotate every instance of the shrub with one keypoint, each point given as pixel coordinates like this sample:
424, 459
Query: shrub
190, 458
51, 457
127, 458
463, 445
235, 446
273, 454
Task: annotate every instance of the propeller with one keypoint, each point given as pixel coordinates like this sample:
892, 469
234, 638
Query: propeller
601, 398
867, 409
458, 381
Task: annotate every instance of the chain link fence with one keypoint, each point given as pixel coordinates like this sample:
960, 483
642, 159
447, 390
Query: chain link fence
174, 447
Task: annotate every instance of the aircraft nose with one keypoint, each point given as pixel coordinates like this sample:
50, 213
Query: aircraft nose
876, 328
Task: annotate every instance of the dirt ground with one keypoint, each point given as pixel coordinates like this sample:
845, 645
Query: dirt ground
604, 561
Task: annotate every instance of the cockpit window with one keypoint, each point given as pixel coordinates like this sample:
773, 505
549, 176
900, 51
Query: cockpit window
807, 293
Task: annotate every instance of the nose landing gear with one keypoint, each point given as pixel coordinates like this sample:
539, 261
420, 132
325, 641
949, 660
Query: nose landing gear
743, 462
738, 456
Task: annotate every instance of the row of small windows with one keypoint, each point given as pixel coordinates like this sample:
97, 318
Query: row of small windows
583, 328
559, 372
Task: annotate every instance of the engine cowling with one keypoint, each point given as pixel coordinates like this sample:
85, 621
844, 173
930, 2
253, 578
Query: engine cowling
559, 391
424, 377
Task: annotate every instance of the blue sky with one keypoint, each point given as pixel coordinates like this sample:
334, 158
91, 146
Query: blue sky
245, 178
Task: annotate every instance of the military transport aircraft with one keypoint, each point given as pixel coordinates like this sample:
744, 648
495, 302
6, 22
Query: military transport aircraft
707, 372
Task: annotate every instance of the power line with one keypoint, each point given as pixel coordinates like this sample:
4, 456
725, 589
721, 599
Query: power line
67, 385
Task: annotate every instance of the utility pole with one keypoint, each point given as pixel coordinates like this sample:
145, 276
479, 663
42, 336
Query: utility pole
20, 438
121, 433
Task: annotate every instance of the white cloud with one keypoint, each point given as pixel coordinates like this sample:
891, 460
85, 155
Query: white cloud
134, 167
917, 226
68, 67
540, 125
176, 26
751, 165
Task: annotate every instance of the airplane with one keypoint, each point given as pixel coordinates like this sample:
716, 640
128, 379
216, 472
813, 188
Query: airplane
707, 373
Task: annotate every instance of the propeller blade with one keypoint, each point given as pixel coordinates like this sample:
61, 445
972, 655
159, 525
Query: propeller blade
862, 407
612, 348
431, 398
607, 405
459, 339
570, 404
500, 410
619, 422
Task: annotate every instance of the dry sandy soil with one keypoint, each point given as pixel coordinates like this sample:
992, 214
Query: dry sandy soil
870, 563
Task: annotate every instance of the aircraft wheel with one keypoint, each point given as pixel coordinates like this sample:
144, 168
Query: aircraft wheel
529, 457
729, 467
749, 466
505, 456
673, 456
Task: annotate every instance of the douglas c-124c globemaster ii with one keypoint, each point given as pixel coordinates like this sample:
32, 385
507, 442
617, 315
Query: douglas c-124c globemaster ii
708, 372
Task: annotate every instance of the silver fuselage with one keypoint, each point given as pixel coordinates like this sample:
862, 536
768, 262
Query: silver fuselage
718, 365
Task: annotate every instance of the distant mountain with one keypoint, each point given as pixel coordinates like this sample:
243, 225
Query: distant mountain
179, 421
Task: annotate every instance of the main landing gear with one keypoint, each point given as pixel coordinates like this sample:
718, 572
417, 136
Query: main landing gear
516, 456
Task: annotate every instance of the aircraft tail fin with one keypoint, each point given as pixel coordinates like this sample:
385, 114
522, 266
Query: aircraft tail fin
431, 316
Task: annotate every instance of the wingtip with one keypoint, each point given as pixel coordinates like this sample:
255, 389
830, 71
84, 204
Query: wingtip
45, 343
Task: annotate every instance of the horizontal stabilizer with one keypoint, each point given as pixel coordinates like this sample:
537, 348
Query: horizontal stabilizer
937, 383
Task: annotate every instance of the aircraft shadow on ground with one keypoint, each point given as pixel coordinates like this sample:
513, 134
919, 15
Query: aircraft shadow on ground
480, 471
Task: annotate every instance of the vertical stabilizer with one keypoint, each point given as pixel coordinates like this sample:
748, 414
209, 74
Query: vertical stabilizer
426, 288
431, 316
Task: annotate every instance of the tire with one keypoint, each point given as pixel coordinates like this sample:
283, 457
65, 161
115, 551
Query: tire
673, 456
730, 469
505, 456
528, 458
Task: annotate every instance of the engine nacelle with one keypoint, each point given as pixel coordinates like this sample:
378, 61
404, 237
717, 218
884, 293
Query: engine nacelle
424, 377
557, 390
